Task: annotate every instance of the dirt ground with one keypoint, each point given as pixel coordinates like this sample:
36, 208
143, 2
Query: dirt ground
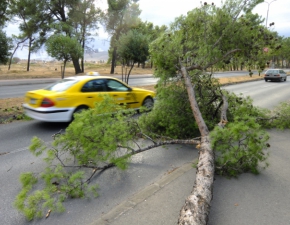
53, 70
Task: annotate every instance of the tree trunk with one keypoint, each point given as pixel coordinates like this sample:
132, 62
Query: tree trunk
29, 54
11, 57
76, 65
127, 80
197, 206
63, 70
114, 56
82, 59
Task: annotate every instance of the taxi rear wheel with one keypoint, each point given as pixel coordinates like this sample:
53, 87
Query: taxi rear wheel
79, 110
148, 103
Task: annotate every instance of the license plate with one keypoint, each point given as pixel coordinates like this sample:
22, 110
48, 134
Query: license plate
32, 101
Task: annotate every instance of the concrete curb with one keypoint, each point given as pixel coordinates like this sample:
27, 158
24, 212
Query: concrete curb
142, 195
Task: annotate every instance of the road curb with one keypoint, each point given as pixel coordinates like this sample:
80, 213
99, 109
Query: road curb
142, 195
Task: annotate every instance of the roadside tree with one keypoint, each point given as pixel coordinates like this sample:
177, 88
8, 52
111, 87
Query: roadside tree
28, 26
132, 48
74, 18
121, 15
63, 48
3, 12
5, 47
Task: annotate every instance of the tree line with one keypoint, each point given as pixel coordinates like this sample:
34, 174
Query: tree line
59, 25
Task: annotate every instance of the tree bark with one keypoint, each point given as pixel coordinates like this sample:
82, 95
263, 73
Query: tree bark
114, 56
29, 54
197, 205
76, 65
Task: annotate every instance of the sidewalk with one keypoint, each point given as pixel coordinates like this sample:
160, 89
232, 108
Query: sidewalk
249, 200
157, 204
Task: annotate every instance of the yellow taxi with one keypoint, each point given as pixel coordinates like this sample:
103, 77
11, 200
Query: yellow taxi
59, 101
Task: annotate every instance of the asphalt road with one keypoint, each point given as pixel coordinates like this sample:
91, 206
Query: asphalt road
265, 94
18, 88
115, 185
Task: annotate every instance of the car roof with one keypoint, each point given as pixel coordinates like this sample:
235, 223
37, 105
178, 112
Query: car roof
88, 77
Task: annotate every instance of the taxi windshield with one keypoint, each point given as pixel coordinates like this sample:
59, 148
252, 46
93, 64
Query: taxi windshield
61, 85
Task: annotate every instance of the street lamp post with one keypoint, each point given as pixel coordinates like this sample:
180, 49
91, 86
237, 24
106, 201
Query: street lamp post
269, 3
268, 10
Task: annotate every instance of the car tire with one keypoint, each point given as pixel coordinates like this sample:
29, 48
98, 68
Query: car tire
281, 79
79, 110
148, 103
266, 80
285, 78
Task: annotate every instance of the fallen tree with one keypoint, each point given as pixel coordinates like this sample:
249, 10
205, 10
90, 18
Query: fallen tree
192, 108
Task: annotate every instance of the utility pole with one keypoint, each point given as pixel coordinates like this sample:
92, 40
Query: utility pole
269, 3
268, 10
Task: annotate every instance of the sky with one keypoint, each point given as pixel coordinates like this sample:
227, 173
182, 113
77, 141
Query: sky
163, 12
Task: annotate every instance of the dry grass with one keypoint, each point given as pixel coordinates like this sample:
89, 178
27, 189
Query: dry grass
53, 70
11, 109
239, 79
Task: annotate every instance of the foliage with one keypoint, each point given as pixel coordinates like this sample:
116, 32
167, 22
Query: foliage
211, 38
3, 12
172, 115
41, 19
63, 48
5, 46
95, 140
281, 116
132, 48
25, 12
120, 17
283, 52
239, 147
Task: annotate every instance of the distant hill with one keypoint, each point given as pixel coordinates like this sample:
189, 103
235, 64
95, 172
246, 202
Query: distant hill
96, 56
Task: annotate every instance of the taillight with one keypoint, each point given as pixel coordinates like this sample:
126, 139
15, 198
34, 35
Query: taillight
46, 102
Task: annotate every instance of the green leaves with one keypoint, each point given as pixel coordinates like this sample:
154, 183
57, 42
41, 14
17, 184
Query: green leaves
133, 46
281, 116
5, 47
97, 139
240, 147
63, 47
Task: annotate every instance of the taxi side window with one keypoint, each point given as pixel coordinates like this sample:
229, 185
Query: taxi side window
113, 85
94, 86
